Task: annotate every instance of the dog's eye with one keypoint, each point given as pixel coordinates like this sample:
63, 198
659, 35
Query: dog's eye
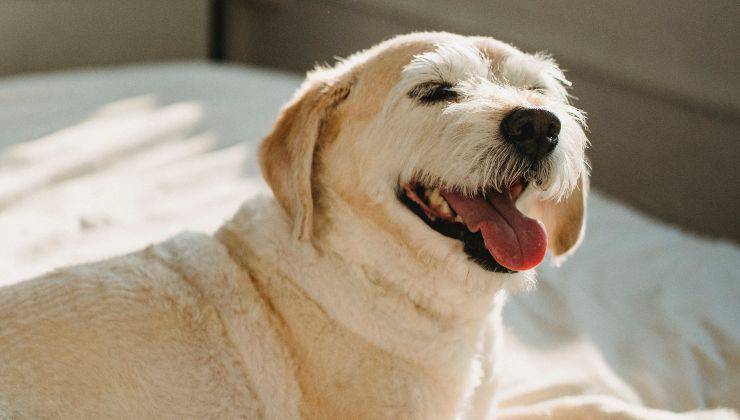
538, 89
431, 92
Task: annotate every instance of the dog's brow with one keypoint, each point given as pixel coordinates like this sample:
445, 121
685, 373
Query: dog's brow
448, 63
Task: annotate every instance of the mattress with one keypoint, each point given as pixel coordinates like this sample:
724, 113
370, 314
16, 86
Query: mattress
99, 162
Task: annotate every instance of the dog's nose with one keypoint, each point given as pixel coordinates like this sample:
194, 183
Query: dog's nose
533, 131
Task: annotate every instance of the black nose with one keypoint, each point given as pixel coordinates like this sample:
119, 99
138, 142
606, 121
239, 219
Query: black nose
533, 131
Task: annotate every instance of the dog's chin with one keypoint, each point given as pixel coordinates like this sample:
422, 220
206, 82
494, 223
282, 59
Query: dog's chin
432, 206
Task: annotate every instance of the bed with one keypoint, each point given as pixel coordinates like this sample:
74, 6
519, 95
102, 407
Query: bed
99, 162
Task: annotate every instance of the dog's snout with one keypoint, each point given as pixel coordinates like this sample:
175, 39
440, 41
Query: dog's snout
533, 131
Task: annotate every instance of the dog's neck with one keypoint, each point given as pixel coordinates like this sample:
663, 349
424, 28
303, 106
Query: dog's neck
384, 297
445, 284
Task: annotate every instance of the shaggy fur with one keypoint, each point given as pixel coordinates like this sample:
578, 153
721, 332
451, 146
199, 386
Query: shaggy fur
333, 300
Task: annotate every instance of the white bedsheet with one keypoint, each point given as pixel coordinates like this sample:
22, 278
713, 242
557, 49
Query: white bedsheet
96, 163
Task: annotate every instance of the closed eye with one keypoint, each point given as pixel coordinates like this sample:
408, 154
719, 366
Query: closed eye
538, 89
431, 92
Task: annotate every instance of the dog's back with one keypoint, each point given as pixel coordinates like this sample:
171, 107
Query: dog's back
142, 335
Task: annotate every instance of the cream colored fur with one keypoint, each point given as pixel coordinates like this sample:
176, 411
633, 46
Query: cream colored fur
331, 300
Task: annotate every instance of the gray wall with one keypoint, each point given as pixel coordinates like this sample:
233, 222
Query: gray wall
40, 35
659, 79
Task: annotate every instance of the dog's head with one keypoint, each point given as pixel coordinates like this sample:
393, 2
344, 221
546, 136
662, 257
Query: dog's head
440, 142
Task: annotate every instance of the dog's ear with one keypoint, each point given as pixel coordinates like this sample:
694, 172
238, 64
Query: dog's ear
565, 219
286, 155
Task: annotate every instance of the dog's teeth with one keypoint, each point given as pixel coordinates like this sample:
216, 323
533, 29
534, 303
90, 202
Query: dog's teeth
445, 209
434, 197
436, 201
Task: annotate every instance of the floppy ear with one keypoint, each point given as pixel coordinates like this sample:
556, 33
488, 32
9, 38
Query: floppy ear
565, 220
286, 155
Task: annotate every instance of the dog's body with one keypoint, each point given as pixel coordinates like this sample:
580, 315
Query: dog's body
334, 300
246, 324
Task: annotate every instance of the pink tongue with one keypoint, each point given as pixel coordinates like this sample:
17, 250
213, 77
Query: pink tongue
514, 240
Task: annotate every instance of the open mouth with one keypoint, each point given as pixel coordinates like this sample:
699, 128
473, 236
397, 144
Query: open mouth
494, 232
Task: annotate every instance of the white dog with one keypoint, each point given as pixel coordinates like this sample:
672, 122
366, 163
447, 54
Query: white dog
371, 287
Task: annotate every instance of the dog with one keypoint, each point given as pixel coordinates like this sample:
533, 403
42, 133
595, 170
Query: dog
415, 184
